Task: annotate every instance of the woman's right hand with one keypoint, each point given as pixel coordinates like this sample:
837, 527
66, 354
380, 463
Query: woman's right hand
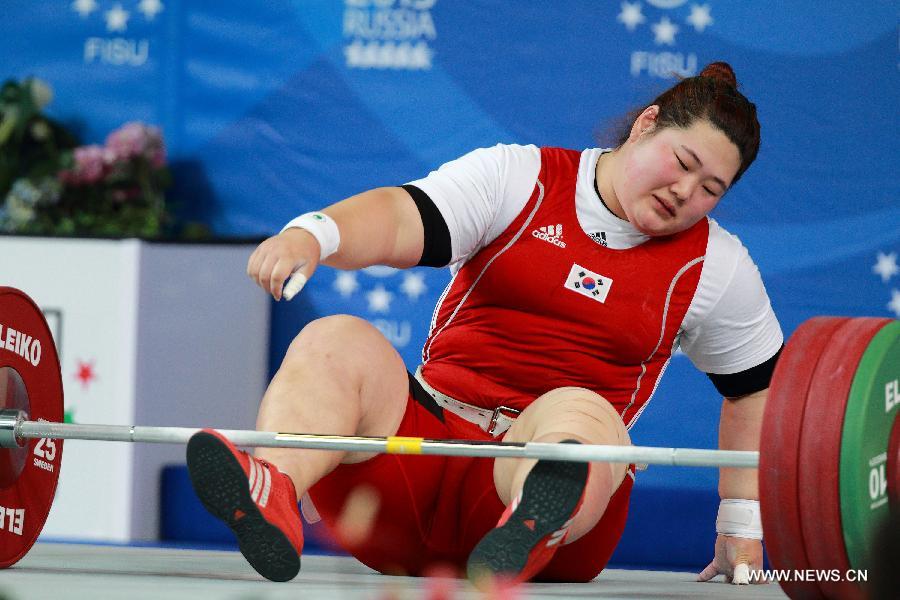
292, 251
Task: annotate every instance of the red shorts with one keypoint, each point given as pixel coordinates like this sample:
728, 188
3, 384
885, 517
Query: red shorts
434, 509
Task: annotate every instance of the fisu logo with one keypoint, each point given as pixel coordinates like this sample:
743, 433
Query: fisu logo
666, 21
115, 49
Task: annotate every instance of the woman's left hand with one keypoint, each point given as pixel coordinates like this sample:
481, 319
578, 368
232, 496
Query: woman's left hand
732, 552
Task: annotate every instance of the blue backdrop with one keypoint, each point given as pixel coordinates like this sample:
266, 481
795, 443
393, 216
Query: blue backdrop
271, 109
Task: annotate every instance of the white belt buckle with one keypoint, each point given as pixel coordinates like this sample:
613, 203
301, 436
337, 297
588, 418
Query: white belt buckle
496, 416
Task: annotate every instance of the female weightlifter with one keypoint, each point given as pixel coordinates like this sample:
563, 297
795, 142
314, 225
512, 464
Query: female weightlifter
576, 276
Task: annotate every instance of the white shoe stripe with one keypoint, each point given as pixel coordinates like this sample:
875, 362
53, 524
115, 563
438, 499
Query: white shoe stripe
267, 487
251, 483
557, 536
258, 481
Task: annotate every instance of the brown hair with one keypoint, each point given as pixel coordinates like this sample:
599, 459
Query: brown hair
712, 95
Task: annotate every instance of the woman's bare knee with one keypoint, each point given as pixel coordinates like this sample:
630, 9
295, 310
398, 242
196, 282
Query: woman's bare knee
571, 410
328, 334
345, 366
585, 416
343, 347
563, 413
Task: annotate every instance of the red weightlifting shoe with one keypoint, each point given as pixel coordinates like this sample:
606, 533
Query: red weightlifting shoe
256, 500
533, 526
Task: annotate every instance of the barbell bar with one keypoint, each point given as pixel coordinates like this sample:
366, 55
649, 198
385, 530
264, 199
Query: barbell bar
14, 428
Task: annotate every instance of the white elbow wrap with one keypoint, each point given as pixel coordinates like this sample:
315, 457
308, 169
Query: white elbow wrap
323, 228
739, 518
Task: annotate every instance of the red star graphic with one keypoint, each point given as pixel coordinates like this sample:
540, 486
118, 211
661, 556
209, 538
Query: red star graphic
85, 373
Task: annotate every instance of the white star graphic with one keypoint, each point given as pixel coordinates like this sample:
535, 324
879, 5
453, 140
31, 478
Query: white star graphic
151, 8
665, 31
386, 55
354, 54
345, 283
631, 15
379, 300
370, 54
420, 57
117, 18
700, 17
84, 7
886, 266
894, 304
413, 285
402, 55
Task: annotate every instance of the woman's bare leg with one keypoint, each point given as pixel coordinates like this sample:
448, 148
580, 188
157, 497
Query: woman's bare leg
567, 413
340, 376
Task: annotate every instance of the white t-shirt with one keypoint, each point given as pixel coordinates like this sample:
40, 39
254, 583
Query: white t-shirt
729, 327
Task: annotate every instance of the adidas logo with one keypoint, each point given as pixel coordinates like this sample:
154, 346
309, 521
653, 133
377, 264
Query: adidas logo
550, 233
600, 238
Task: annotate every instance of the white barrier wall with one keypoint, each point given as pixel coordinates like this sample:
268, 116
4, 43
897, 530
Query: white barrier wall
149, 334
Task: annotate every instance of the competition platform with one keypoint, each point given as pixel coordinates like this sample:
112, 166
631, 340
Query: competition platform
74, 571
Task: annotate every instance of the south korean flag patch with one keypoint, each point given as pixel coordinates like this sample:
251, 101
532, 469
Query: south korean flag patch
587, 283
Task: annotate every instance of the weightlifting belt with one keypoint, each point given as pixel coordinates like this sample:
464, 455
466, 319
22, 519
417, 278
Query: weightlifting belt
493, 421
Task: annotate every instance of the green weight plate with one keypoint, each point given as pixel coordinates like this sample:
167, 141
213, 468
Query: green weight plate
872, 405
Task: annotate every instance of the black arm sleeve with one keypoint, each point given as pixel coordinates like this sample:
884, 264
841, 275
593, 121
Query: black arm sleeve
746, 382
436, 250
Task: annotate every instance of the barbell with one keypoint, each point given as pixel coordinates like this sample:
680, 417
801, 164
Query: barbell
828, 464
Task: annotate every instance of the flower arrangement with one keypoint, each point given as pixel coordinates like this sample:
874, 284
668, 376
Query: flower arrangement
51, 186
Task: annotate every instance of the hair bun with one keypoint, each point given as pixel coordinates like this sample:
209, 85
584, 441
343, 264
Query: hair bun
721, 71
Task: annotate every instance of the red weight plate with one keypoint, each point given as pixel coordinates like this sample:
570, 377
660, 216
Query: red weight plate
893, 467
780, 451
820, 454
26, 347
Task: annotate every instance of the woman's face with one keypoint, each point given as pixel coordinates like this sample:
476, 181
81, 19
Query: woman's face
671, 178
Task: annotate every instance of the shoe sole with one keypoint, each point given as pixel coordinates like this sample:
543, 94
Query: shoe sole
222, 486
550, 495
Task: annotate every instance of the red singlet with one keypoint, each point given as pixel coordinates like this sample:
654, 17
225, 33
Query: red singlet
541, 307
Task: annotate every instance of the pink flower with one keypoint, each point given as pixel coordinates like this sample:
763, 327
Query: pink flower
127, 141
135, 139
91, 163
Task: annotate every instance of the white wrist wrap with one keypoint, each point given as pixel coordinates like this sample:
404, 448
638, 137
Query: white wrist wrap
739, 518
323, 228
